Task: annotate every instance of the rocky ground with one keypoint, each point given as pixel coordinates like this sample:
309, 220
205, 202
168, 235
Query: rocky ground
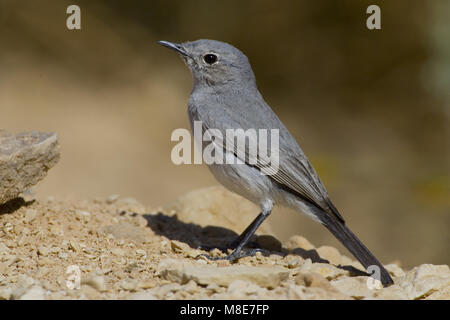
116, 248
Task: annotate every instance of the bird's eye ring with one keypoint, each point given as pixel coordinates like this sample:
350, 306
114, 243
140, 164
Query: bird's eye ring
210, 58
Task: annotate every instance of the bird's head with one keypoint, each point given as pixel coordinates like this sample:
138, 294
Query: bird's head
214, 63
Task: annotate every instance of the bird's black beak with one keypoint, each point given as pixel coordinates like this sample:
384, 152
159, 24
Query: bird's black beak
174, 46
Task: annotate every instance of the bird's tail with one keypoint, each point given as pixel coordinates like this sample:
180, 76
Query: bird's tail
355, 246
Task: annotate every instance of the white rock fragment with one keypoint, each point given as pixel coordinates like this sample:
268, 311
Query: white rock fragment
95, 281
294, 263
112, 198
30, 215
83, 214
129, 284
118, 252
34, 293
142, 296
178, 246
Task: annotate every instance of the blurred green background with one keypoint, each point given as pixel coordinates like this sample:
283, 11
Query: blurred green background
369, 108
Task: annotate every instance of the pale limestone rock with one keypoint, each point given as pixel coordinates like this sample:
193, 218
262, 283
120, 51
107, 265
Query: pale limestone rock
129, 284
346, 261
186, 250
83, 214
118, 252
329, 253
355, 287
313, 280
326, 270
30, 215
298, 242
112, 198
240, 289
294, 262
394, 292
90, 293
23, 285
441, 294
300, 292
34, 293
6, 293
95, 281
318, 287
425, 280
169, 263
25, 159
130, 204
167, 289
394, 270
142, 296
269, 277
178, 246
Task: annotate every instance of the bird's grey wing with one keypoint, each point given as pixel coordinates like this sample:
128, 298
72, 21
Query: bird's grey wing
295, 174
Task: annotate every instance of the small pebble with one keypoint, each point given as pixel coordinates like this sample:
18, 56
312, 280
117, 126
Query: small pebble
30, 215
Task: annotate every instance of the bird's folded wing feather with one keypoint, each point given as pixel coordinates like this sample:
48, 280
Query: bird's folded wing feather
295, 174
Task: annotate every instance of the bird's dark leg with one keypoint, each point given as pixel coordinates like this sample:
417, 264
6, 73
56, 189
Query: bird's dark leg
239, 239
243, 239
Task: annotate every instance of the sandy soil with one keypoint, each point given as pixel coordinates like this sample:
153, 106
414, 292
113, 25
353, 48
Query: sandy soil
116, 248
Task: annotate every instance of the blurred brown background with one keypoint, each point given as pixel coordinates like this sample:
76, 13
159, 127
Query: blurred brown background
369, 108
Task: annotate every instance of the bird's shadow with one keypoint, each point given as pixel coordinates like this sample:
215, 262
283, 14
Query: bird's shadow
13, 205
197, 236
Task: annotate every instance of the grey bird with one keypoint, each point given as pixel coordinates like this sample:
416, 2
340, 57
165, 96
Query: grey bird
225, 96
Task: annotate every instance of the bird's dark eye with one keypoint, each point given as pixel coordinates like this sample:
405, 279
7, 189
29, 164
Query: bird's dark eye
210, 58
